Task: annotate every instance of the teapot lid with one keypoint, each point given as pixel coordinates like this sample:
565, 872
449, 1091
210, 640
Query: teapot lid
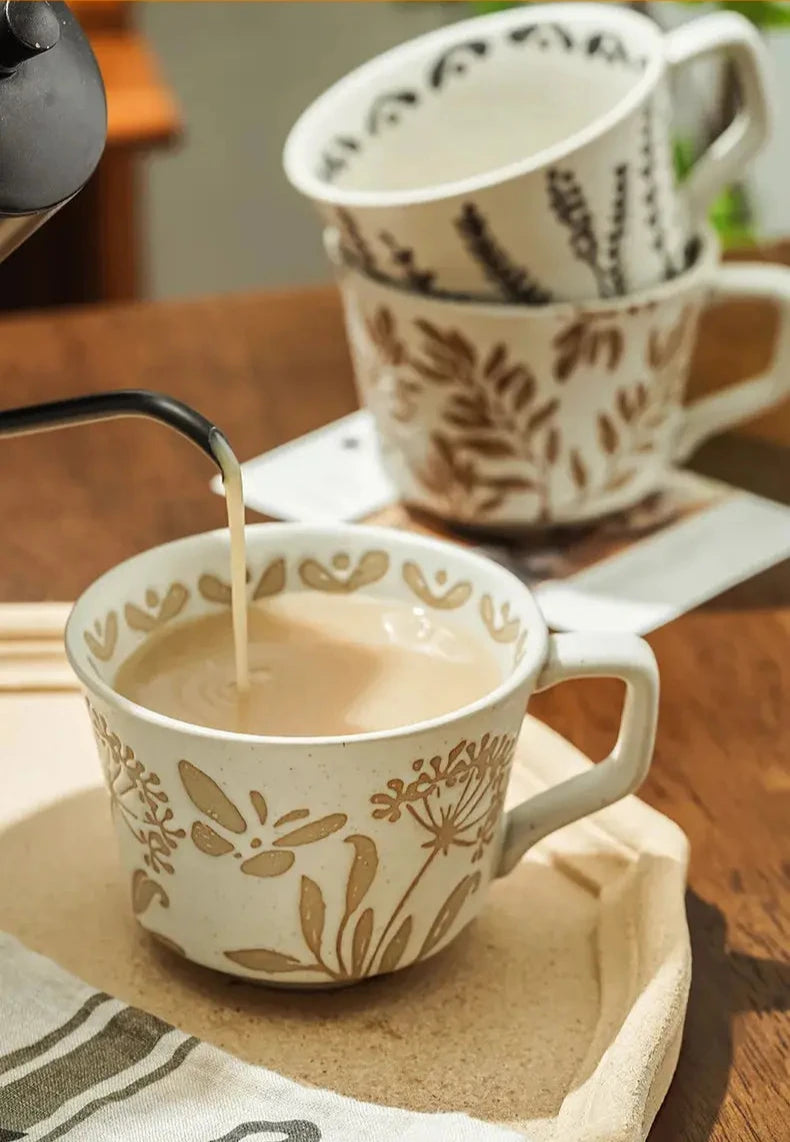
53, 112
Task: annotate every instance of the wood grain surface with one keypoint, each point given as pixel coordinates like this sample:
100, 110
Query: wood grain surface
267, 368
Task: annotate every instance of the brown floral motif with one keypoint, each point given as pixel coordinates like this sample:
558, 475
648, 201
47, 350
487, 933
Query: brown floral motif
457, 801
342, 578
446, 598
506, 629
158, 610
103, 639
271, 582
216, 590
590, 340
274, 860
136, 797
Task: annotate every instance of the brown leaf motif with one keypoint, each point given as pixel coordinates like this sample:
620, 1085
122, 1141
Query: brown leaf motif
448, 356
159, 610
371, 567
448, 913
145, 890
206, 795
259, 805
103, 639
446, 598
393, 953
361, 942
273, 862
607, 434
208, 840
312, 913
363, 871
552, 448
585, 342
293, 815
265, 960
578, 471
491, 447
382, 332
542, 415
315, 831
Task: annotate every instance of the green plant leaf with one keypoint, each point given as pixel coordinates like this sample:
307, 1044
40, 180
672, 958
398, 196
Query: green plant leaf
761, 13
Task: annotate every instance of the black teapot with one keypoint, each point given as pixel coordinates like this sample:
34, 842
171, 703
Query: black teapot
53, 115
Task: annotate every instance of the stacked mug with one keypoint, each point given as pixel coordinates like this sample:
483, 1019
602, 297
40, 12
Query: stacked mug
522, 274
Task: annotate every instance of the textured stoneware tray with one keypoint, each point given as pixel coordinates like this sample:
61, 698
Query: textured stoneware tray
559, 1011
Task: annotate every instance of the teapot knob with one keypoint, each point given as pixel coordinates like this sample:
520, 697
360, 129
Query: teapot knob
27, 28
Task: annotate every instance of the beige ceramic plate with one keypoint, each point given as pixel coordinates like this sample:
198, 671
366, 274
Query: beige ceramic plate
560, 1010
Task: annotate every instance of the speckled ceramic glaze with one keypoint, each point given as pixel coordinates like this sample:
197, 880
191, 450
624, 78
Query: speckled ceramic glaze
502, 416
322, 861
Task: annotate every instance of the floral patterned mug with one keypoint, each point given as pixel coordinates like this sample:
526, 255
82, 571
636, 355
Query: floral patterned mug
526, 156
321, 861
504, 417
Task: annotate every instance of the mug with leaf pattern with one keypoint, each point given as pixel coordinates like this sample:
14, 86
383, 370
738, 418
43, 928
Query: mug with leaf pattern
501, 416
526, 156
321, 861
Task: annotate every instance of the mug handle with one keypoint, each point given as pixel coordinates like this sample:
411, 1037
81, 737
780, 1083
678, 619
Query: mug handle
716, 413
732, 36
583, 654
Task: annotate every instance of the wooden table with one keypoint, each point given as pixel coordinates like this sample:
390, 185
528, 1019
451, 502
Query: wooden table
270, 367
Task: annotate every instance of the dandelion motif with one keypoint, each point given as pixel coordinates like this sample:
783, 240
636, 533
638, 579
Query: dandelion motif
457, 800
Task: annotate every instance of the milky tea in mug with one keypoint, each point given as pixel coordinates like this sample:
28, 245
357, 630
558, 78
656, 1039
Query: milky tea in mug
318, 665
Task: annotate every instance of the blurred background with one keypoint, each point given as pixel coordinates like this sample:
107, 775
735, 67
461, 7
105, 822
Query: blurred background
190, 197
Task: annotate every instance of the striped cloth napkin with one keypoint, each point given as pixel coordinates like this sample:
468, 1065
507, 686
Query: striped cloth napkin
77, 1064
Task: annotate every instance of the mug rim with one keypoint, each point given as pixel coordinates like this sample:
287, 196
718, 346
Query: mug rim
297, 163
536, 648
700, 270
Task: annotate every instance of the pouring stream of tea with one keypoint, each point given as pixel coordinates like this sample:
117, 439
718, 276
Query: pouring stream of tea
190, 423
234, 500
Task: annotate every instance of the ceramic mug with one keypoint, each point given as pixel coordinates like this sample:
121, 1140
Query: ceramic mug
320, 861
525, 156
501, 416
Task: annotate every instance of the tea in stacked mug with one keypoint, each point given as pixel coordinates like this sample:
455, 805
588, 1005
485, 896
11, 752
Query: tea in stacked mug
525, 156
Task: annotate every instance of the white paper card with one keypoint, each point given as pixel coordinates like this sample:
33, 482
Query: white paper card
659, 578
633, 572
331, 474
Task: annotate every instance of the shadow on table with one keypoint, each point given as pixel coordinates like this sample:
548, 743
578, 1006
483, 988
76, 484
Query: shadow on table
723, 984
